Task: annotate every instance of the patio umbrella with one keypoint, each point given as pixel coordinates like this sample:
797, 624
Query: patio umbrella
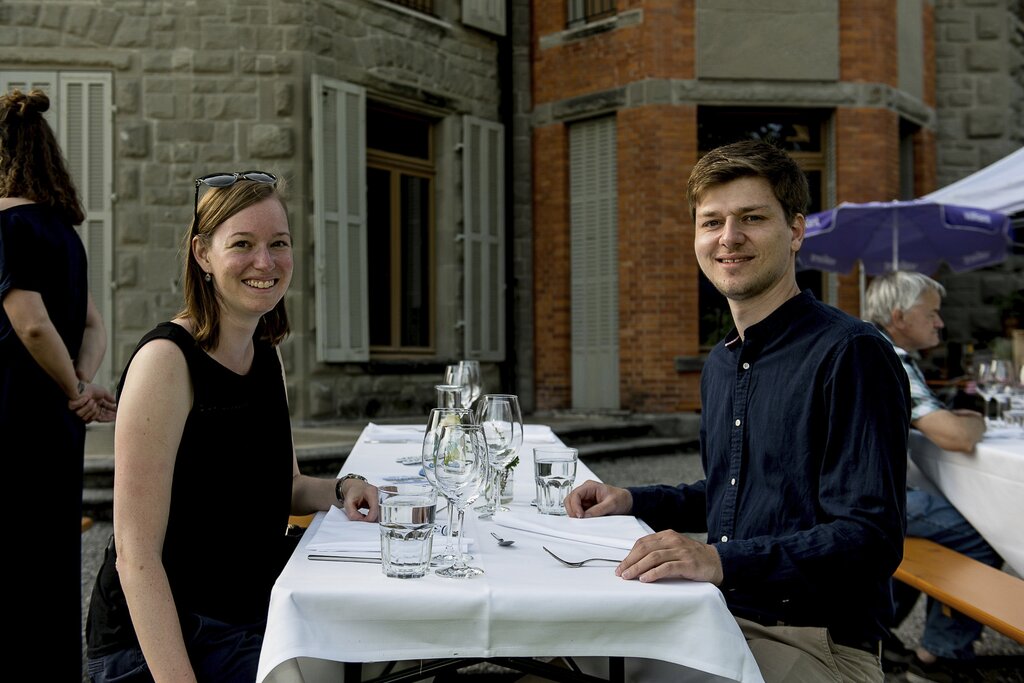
913, 235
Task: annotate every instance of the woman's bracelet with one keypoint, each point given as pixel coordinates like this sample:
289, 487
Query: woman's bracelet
338, 492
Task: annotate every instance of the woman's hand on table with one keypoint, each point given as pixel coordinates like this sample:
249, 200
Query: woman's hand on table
360, 495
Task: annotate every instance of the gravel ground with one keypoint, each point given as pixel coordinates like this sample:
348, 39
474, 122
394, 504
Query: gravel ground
1001, 659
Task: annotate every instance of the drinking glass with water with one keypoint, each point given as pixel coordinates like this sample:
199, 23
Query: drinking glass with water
406, 529
554, 472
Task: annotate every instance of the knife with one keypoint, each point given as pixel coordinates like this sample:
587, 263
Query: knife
344, 558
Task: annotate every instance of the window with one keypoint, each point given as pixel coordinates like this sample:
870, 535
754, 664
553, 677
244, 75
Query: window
373, 223
582, 12
400, 187
802, 135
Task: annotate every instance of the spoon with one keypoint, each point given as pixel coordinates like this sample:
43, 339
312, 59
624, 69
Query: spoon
501, 541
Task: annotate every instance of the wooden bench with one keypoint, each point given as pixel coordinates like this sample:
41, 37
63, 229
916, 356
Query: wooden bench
987, 595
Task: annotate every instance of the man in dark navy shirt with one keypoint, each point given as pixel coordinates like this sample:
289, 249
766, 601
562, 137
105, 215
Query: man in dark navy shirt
803, 442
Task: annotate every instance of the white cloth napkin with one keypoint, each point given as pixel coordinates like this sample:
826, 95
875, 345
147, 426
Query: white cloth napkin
339, 535
539, 434
618, 531
375, 433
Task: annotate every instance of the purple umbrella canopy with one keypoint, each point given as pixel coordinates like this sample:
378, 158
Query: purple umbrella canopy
917, 235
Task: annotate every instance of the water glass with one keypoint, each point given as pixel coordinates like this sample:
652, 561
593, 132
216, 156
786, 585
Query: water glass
448, 395
406, 529
554, 472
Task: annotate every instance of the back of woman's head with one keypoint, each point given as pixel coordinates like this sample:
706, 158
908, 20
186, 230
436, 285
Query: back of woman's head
201, 305
31, 164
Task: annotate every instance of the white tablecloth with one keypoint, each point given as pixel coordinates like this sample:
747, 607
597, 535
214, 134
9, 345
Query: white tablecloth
526, 605
986, 486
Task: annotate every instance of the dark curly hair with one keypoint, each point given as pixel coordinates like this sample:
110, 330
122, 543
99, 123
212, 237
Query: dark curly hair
31, 164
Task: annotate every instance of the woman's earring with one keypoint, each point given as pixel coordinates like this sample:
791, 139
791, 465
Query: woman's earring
208, 277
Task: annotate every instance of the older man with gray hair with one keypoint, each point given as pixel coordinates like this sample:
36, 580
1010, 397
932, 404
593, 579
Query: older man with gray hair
905, 307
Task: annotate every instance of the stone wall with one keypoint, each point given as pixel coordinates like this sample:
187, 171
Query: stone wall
980, 107
225, 85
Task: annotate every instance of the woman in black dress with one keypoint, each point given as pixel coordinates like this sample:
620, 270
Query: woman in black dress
51, 344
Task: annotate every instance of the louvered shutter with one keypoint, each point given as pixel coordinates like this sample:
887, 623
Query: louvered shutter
85, 130
483, 200
594, 264
339, 220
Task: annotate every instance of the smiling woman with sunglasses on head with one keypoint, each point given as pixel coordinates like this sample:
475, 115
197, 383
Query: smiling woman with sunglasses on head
203, 432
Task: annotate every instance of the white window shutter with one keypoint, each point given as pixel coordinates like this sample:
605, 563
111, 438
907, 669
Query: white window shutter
594, 258
85, 131
339, 220
483, 202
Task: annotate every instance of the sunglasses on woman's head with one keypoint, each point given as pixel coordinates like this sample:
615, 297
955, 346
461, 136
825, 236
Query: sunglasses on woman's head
227, 180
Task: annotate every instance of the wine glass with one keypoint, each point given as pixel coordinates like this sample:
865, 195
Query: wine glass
459, 459
502, 423
439, 418
458, 375
1000, 377
471, 373
982, 382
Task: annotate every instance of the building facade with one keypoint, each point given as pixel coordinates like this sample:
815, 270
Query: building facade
381, 117
876, 100
500, 180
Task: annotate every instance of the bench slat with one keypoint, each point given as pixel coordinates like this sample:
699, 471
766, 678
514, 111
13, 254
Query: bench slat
985, 594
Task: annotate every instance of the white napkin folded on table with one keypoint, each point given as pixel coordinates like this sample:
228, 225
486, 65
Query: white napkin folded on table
337, 534
539, 434
394, 433
617, 531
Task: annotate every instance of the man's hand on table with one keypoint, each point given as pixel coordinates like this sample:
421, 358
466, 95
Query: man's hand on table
359, 495
592, 499
663, 555
671, 555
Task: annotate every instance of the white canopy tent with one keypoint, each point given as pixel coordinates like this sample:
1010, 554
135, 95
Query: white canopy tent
998, 187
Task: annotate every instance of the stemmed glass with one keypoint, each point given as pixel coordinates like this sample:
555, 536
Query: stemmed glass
471, 376
459, 461
438, 419
994, 380
457, 375
502, 423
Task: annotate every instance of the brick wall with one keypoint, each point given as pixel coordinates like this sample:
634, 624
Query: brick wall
551, 293
658, 311
867, 42
660, 46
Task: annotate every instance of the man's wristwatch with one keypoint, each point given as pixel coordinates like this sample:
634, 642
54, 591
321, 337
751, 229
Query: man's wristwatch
338, 493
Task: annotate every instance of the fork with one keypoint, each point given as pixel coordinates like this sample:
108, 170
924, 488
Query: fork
567, 563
